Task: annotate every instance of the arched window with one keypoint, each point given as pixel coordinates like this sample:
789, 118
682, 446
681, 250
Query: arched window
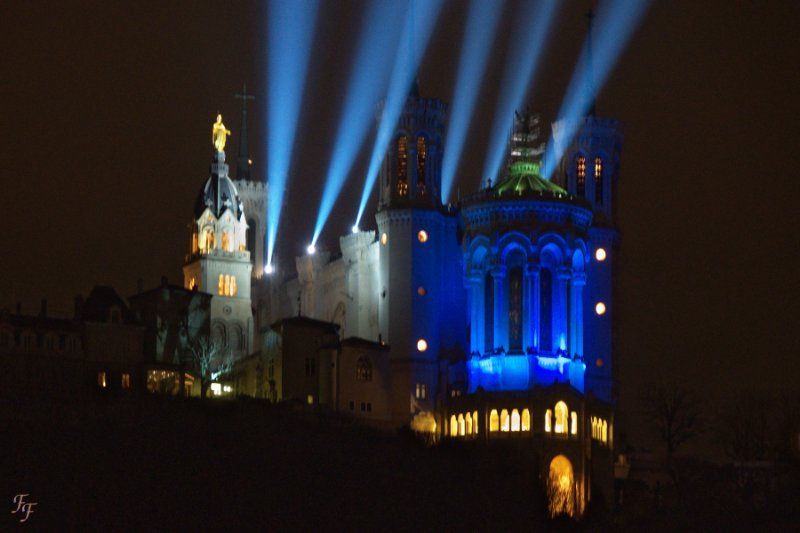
234, 288
594, 428
402, 165
227, 245
221, 287
562, 418
514, 420
573, 423
548, 416
494, 421
475, 422
468, 419
227, 285
461, 425
604, 437
580, 175
363, 369
504, 420
422, 156
598, 181
546, 309
515, 309
207, 240
526, 420
453, 426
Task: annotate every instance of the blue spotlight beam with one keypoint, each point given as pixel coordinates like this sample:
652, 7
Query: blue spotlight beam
613, 27
420, 20
290, 35
370, 75
482, 21
530, 36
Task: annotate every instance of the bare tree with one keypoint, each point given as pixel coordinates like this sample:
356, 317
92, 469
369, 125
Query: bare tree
209, 358
745, 427
673, 411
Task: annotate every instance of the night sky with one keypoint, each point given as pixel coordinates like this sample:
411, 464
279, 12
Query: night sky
107, 110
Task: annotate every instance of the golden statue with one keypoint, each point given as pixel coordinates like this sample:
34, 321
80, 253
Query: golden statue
219, 134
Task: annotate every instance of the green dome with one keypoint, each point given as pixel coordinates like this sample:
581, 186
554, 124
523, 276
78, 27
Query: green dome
523, 177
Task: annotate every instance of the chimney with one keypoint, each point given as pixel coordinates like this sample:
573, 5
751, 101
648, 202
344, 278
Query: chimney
43, 310
78, 306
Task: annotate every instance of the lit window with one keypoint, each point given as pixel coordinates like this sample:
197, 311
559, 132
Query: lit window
494, 421
504, 420
101, 379
453, 426
227, 388
598, 181
562, 416
468, 419
227, 245
600, 308
402, 165
573, 423
422, 155
600, 254
422, 345
363, 369
126, 381
461, 425
221, 287
422, 391
227, 285
475, 422
515, 421
548, 415
384, 239
192, 283
234, 288
580, 174
526, 420
422, 236
216, 389
604, 436
310, 399
421, 291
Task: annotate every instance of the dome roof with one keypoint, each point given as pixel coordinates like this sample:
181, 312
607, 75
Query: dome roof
219, 193
523, 177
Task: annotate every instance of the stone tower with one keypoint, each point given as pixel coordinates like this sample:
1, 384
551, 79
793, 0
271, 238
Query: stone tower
420, 305
589, 169
219, 260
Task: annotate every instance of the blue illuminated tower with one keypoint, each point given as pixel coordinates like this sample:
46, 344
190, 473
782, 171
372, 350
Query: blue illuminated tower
421, 310
589, 169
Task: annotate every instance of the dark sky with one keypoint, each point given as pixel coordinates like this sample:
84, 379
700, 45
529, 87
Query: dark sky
107, 108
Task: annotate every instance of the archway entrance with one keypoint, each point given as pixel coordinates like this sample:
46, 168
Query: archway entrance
561, 487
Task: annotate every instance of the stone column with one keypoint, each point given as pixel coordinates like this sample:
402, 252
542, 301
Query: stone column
477, 322
577, 283
530, 307
560, 309
500, 307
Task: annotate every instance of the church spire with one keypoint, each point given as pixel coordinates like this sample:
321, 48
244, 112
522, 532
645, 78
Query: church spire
243, 163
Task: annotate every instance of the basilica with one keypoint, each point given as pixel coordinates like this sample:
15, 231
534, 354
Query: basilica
490, 320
